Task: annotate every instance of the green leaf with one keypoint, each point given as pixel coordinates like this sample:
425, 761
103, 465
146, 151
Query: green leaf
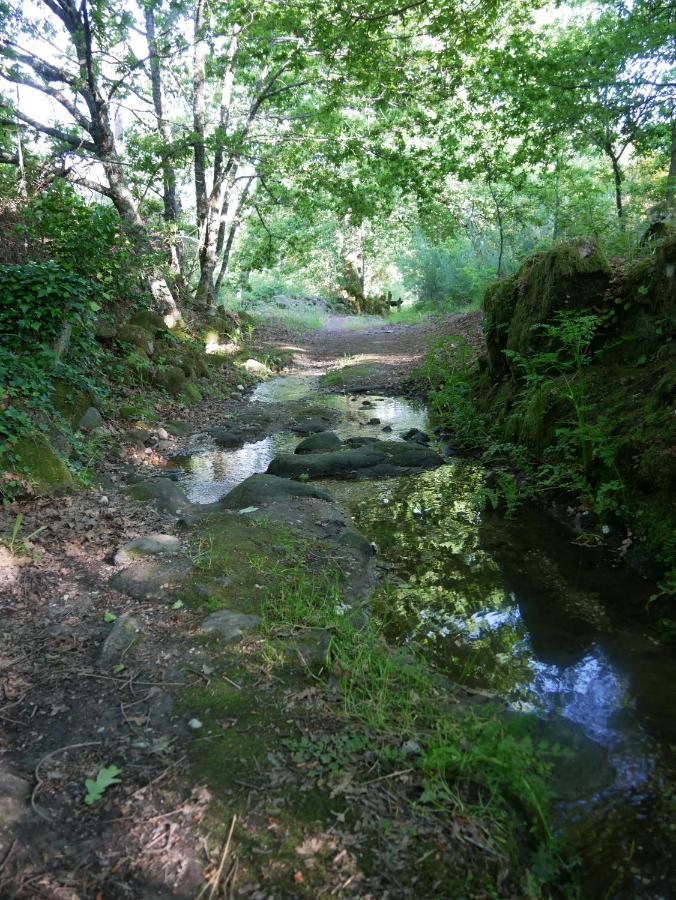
97, 787
108, 616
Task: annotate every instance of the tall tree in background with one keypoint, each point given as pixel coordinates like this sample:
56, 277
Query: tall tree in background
76, 83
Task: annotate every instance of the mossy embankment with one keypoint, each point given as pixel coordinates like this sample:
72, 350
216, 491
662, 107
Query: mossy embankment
117, 369
576, 388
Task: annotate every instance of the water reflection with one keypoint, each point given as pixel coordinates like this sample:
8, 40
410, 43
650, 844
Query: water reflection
539, 638
211, 474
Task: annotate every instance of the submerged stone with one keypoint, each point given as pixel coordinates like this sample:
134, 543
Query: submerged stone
312, 425
226, 437
416, 436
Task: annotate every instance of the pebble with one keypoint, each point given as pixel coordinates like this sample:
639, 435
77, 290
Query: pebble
163, 434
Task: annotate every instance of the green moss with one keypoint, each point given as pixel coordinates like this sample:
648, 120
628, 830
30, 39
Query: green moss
572, 275
37, 460
69, 401
150, 321
171, 379
255, 556
349, 376
224, 753
191, 393
135, 413
137, 336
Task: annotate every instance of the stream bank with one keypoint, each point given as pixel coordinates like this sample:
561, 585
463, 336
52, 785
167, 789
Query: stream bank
328, 802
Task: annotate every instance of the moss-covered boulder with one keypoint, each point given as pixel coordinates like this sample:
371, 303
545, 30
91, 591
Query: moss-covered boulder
138, 337
171, 379
652, 281
324, 440
40, 464
105, 331
71, 402
149, 320
570, 276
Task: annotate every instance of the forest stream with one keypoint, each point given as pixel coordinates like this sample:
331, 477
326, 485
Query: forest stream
517, 611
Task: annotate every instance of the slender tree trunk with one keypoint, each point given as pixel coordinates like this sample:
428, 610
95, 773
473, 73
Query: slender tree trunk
226, 244
618, 178
671, 175
169, 182
557, 205
169, 195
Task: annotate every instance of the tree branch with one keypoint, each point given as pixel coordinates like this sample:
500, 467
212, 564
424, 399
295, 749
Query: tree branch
71, 139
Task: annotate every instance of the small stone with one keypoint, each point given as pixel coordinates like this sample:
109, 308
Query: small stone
195, 724
148, 545
374, 421
123, 635
14, 795
91, 420
104, 501
163, 434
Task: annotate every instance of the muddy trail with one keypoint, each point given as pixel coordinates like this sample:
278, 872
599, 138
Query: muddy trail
174, 724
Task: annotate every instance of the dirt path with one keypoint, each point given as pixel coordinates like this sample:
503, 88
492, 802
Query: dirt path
93, 676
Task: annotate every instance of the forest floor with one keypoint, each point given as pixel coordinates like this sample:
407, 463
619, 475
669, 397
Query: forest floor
238, 773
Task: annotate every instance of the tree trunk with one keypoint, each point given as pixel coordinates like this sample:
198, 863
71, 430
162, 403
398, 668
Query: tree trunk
226, 245
169, 195
671, 175
617, 181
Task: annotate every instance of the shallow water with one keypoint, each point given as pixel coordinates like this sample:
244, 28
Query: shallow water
515, 608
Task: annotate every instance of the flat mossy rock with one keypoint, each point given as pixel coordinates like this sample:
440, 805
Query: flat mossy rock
148, 545
323, 440
139, 337
171, 379
151, 321
231, 625
147, 579
164, 492
41, 465
571, 276
380, 458
259, 490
